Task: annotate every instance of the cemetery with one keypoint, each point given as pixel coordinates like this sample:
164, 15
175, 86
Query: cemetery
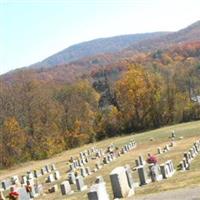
116, 168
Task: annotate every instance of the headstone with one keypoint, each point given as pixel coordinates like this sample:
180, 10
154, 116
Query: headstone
36, 173
119, 182
88, 171
141, 160
15, 180
23, 180
66, 188
83, 172
98, 192
155, 172
50, 178
80, 183
6, 184
30, 175
143, 175
182, 167
47, 168
57, 175
43, 171
129, 176
98, 166
137, 162
53, 167
71, 178
23, 194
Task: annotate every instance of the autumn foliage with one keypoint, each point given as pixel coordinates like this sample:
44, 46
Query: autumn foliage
40, 117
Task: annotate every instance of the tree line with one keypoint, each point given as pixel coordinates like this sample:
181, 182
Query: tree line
39, 119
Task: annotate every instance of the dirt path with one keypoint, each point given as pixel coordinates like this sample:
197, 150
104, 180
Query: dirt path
192, 193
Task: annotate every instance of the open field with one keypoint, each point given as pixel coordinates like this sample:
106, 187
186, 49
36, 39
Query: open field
146, 142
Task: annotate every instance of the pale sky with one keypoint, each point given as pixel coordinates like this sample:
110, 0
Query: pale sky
31, 30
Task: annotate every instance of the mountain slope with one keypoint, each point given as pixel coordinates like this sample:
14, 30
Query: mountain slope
188, 34
94, 47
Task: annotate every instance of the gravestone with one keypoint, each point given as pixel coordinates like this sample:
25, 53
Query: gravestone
119, 182
83, 172
38, 188
23, 180
66, 188
80, 183
98, 166
88, 171
23, 194
15, 180
57, 175
141, 160
53, 167
30, 175
98, 192
71, 178
182, 167
137, 162
143, 176
129, 176
36, 173
155, 172
43, 171
50, 178
48, 169
6, 184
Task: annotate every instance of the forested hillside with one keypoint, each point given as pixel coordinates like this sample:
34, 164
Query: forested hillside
45, 111
39, 118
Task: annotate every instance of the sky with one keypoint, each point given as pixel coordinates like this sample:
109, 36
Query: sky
32, 30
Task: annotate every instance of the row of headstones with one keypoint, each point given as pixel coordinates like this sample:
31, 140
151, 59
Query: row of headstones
99, 153
189, 156
84, 157
121, 180
21, 182
107, 158
123, 184
155, 171
74, 178
65, 186
36, 190
85, 171
166, 148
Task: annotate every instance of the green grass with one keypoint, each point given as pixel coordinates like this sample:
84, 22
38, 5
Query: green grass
189, 131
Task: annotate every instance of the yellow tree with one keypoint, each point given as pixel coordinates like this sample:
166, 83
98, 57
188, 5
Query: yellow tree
13, 142
138, 93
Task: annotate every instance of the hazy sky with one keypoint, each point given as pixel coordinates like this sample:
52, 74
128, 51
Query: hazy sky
32, 30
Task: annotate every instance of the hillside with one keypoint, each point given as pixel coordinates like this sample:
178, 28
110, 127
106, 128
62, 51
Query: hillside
189, 178
97, 97
134, 43
188, 34
94, 47
83, 59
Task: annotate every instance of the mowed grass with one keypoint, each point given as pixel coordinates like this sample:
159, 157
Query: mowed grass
146, 142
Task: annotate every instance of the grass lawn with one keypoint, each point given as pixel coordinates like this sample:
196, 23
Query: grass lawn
189, 131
